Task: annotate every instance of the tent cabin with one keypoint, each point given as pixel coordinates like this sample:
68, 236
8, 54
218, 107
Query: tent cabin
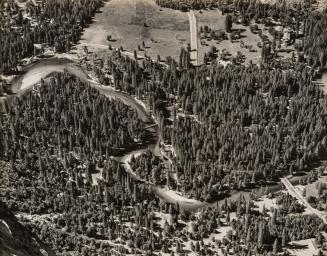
38, 49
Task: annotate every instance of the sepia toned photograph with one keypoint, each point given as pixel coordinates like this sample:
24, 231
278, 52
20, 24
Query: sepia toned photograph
163, 127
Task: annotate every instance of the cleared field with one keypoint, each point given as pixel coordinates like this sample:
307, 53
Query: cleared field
216, 21
132, 22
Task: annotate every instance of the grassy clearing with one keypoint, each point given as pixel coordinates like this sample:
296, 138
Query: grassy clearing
216, 21
266, 203
130, 22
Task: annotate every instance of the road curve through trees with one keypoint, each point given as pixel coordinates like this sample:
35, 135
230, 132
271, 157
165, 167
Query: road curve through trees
194, 38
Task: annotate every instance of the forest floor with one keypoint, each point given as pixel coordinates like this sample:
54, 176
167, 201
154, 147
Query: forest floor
130, 22
266, 203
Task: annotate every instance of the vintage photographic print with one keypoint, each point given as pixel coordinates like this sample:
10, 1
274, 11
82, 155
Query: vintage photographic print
163, 127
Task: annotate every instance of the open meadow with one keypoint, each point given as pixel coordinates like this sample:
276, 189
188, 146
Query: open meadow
130, 23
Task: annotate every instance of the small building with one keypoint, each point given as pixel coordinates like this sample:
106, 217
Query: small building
288, 35
38, 49
279, 28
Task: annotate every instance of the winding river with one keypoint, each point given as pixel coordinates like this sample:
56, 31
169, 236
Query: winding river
33, 73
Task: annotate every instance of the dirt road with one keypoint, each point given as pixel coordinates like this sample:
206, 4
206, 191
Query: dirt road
293, 191
194, 38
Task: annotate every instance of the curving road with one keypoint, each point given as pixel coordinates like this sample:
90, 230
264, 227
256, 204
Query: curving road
194, 38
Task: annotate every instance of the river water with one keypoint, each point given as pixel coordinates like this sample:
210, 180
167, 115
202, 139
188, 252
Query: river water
32, 75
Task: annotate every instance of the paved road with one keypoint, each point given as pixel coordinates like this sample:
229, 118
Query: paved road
299, 196
194, 38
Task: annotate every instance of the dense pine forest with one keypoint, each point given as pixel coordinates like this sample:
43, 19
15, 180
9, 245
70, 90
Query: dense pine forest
185, 5
150, 168
260, 124
232, 129
53, 23
252, 131
64, 128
